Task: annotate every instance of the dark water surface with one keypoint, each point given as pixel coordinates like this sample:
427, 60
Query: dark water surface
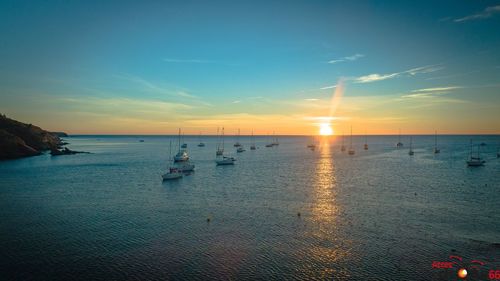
377, 215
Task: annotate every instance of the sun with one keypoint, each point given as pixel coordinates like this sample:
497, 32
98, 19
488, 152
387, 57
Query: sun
325, 129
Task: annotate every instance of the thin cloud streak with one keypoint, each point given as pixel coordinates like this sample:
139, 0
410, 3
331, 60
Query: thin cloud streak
411, 72
486, 13
348, 58
437, 89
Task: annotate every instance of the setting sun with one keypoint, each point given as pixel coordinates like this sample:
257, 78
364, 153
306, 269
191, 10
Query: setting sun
325, 129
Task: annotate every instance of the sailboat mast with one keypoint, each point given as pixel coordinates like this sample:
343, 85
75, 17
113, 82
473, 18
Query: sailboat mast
436, 140
170, 151
350, 144
222, 138
179, 139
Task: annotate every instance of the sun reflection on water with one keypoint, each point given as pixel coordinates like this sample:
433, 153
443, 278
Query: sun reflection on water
329, 245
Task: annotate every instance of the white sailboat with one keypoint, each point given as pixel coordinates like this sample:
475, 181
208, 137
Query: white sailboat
475, 161
237, 143
201, 144
351, 149
224, 160
252, 147
173, 172
182, 154
399, 144
411, 152
436, 149
312, 144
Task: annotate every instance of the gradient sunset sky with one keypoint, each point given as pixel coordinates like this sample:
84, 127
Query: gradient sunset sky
149, 67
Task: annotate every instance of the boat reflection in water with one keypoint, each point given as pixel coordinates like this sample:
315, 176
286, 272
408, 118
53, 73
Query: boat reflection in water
329, 246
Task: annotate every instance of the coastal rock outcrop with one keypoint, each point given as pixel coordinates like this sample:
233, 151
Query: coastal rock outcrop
19, 139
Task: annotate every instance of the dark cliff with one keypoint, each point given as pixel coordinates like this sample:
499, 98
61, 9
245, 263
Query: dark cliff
18, 139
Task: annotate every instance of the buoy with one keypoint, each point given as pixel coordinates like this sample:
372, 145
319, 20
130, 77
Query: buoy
208, 219
298, 214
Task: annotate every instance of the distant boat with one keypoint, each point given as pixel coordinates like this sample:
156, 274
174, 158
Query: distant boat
237, 143
141, 140
275, 140
173, 173
342, 148
312, 145
201, 144
399, 144
240, 149
219, 150
411, 148
366, 142
475, 161
252, 147
182, 154
351, 149
224, 160
436, 149
270, 144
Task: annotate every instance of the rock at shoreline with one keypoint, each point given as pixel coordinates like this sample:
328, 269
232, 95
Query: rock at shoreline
64, 151
18, 139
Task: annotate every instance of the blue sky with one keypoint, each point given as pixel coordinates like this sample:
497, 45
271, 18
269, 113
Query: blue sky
153, 66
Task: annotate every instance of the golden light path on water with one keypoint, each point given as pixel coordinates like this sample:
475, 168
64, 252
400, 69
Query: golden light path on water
331, 248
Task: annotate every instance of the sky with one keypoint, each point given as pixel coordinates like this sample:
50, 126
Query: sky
150, 67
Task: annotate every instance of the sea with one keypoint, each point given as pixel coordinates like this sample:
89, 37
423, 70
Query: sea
279, 213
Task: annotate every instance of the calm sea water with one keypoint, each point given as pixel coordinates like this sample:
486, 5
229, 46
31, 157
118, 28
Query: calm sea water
377, 215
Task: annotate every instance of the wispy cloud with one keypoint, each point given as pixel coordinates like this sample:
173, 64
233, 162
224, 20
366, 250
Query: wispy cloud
375, 77
348, 58
236, 101
437, 89
486, 13
328, 87
153, 87
311, 99
431, 92
411, 72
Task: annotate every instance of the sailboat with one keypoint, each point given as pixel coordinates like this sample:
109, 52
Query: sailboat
173, 172
219, 150
270, 144
399, 144
224, 160
184, 145
201, 144
411, 152
237, 143
436, 149
275, 140
342, 148
252, 147
366, 142
312, 145
182, 154
351, 149
475, 161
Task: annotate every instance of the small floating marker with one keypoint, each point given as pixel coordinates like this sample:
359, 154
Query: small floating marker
208, 219
298, 214
415, 194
